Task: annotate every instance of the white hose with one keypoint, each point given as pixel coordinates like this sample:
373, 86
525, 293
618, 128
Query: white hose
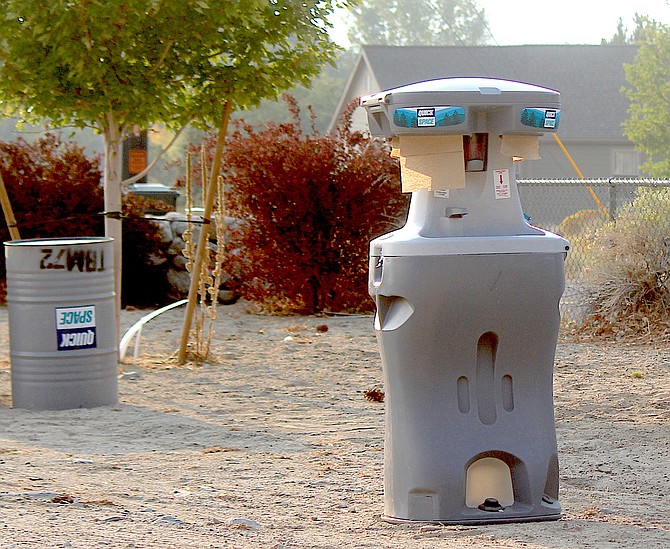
136, 329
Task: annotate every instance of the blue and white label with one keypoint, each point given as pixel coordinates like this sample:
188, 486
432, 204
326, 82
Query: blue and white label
426, 117
538, 117
550, 119
75, 328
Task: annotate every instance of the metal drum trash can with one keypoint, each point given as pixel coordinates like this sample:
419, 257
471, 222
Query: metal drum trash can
62, 323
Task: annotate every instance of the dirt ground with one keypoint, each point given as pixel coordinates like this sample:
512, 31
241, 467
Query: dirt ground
273, 444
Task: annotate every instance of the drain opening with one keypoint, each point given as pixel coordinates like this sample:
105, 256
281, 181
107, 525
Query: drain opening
492, 505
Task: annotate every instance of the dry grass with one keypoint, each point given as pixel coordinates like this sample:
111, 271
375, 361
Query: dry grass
629, 272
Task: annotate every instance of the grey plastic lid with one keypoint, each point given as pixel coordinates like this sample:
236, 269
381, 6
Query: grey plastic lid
471, 105
484, 86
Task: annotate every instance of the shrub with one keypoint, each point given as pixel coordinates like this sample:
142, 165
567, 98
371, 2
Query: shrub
143, 265
629, 272
307, 206
582, 223
580, 229
53, 187
55, 191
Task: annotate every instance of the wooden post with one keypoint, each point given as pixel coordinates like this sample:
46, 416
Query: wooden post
579, 173
7, 210
201, 249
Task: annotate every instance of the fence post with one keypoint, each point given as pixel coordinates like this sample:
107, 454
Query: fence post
613, 197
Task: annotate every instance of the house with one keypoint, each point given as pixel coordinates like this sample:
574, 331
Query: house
589, 78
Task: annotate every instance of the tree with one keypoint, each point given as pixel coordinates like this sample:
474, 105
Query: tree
418, 23
121, 64
623, 37
649, 76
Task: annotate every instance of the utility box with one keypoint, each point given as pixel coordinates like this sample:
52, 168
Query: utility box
135, 155
467, 297
164, 198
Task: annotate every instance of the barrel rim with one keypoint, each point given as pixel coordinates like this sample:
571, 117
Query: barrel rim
59, 241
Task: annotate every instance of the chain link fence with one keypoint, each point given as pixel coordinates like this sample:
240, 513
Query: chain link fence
577, 209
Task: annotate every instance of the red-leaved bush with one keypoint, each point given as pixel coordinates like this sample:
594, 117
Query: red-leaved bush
55, 191
306, 207
53, 187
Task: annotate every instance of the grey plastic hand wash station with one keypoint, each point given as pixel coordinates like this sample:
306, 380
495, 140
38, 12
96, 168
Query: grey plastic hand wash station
467, 296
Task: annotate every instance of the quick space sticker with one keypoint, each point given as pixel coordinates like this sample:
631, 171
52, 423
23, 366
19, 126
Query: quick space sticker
428, 117
75, 328
541, 118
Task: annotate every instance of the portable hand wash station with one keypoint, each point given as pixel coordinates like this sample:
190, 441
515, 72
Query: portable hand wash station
467, 297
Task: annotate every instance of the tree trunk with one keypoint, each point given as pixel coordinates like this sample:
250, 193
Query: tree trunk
112, 188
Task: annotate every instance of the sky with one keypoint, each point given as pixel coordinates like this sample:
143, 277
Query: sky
518, 22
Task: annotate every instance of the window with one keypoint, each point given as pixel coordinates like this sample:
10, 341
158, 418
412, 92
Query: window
626, 163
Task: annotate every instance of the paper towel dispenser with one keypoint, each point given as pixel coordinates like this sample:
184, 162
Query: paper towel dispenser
475, 151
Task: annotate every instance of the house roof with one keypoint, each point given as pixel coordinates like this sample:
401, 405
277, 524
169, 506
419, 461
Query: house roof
589, 78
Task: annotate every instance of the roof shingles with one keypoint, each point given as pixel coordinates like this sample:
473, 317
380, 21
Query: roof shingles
589, 78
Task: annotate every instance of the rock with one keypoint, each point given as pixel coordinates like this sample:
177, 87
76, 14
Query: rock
179, 282
173, 216
226, 297
157, 260
177, 246
111, 518
179, 262
169, 519
179, 228
244, 524
165, 232
169, 264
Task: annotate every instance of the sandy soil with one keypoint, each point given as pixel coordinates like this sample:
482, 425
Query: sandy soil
273, 444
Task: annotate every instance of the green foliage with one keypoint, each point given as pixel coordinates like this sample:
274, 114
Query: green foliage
649, 76
306, 207
418, 23
118, 64
622, 35
629, 271
145, 61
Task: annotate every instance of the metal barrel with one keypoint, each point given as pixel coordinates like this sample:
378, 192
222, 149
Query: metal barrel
62, 323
